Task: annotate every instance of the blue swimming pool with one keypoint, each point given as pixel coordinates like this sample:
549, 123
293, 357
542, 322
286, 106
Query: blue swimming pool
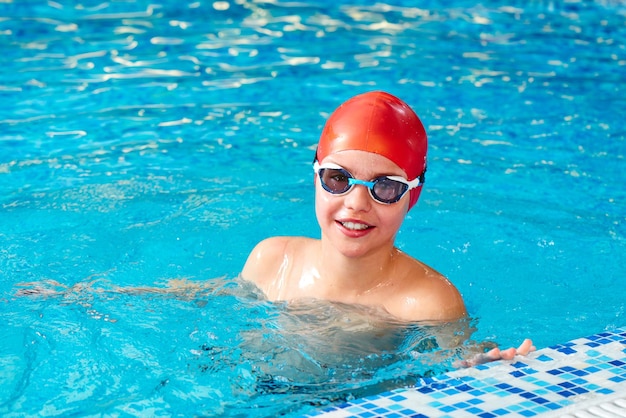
150, 141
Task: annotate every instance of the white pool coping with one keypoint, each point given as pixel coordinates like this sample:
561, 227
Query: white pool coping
585, 377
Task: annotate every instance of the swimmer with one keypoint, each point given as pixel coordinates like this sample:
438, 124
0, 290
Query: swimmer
369, 170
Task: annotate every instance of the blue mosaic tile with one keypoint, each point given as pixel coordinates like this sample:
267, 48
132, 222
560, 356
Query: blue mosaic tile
397, 398
605, 391
545, 381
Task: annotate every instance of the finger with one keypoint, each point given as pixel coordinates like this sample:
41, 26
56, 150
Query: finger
526, 347
508, 354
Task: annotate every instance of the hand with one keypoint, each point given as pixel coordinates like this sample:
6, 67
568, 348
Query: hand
496, 354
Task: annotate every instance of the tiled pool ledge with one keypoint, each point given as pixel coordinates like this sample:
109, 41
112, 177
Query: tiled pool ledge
583, 378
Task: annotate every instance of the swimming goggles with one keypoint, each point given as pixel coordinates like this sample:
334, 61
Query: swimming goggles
385, 189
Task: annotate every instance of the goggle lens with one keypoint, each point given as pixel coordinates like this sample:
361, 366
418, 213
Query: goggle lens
387, 190
334, 180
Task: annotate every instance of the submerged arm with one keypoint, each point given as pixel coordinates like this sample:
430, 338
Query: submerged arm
456, 335
496, 354
53, 288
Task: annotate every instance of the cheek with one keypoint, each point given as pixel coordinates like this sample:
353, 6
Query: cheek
326, 206
321, 203
404, 207
395, 215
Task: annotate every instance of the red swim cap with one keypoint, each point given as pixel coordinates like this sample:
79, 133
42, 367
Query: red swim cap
380, 123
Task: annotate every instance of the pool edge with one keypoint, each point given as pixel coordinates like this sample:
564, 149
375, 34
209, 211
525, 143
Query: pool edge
575, 375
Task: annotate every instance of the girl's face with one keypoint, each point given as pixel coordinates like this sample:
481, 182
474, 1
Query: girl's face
354, 223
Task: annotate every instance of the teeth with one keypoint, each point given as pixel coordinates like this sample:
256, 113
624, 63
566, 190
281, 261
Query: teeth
355, 226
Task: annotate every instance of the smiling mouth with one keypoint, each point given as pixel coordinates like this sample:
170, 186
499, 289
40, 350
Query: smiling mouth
354, 226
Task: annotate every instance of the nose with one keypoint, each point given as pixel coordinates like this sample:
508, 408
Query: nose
358, 198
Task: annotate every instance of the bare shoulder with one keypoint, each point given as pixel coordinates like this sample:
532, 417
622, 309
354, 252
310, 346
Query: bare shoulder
264, 258
267, 257
427, 294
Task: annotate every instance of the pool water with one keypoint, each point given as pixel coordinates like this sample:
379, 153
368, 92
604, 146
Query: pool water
144, 142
